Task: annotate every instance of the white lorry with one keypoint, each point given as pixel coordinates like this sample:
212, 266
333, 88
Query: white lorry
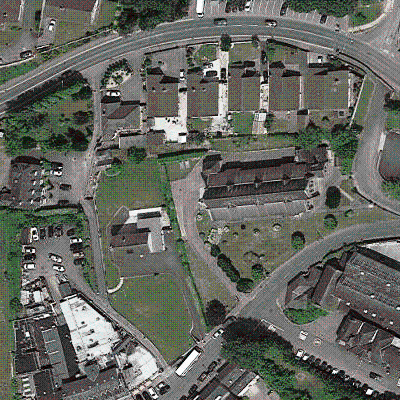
200, 8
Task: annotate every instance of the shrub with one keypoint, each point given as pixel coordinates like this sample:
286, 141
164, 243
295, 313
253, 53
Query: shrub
215, 312
226, 42
330, 222
298, 240
257, 272
215, 250
244, 285
136, 154
332, 197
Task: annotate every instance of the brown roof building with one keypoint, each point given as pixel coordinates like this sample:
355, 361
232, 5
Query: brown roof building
162, 94
11, 11
327, 90
243, 89
284, 90
202, 95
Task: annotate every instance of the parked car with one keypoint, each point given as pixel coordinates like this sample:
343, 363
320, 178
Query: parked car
311, 359
270, 22
335, 371
55, 258
163, 387
65, 186
220, 21
229, 320
74, 240
337, 28
52, 24
323, 365
203, 377
58, 231
63, 202
283, 10
56, 172
219, 332
212, 366
58, 267
323, 19
29, 257
79, 261
182, 74
34, 234
329, 369
28, 249
317, 362
247, 6
113, 93
42, 233
29, 265
183, 397
299, 354
306, 356
303, 335
50, 231
375, 376
76, 247
71, 232
78, 254
26, 54
146, 395
153, 393
357, 384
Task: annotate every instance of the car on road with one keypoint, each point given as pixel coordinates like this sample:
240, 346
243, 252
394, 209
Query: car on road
271, 328
203, 377
323, 19
65, 186
74, 240
270, 22
303, 335
223, 74
283, 10
26, 54
56, 172
146, 395
212, 366
50, 231
29, 257
42, 233
27, 249
337, 28
299, 354
78, 254
218, 333
58, 231
220, 21
163, 387
29, 265
153, 393
58, 268
34, 234
375, 376
55, 258
52, 25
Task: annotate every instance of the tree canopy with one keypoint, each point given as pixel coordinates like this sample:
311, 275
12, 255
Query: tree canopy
330, 221
215, 312
136, 154
226, 42
332, 197
298, 240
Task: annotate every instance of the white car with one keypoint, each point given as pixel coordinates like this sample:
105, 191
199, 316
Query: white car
299, 354
52, 24
306, 356
113, 93
75, 240
58, 268
34, 234
27, 249
79, 254
272, 328
57, 172
335, 371
153, 393
303, 335
55, 258
247, 7
29, 266
219, 332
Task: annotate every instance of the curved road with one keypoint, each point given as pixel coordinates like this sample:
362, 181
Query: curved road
190, 31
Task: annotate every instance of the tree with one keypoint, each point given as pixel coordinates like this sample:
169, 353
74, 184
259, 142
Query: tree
81, 117
58, 142
78, 139
269, 119
255, 41
359, 18
136, 154
332, 197
310, 137
270, 49
298, 240
15, 305
215, 312
330, 222
244, 285
257, 272
392, 188
226, 42
127, 20
28, 142
215, 250
85, 93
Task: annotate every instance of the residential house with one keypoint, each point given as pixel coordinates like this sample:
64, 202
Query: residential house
284, 90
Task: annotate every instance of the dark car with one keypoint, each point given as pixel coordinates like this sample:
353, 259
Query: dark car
311, 359
220, 21
283, 9
223, 74
212, 366
75, 247
80, 261
357, 384
323, 19
229, 320
374, 375
203, 377
317, 362
29, 257
329, 369
65, 186
341, 374
139, 397
146, 396
50, 231
42, 233
163, 387
71, 232
58, 231
26, 54
323, 365
193, 389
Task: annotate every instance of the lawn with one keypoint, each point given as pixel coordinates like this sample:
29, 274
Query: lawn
106, 14
206, 53
242, 123
259, 142
310, 314
136, 187
363, 102
12, 72
156, 306
393, 121
366, 14
198, 124
243, 52
279, 125
180, 169
279, 54
68, 31
271, 248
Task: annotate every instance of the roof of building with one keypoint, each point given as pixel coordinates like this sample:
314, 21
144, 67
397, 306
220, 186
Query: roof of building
25, 362
284, 91
44, 384
326, 90
162, 96
315, 157
241, 383
202, 96
243, 89
213, 390
68, 349
9, 11
80, 5
325, 279
125, 109
128, 140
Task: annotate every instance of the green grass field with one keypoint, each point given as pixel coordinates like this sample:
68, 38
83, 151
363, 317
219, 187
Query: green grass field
12, 72
366, 14
156, 306
310, 314
242, 123
106, 14
206, 53
363, 103
393, 121
243, 52
136, 187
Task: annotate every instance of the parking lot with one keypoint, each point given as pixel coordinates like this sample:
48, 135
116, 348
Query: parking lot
58, 244
271, 8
